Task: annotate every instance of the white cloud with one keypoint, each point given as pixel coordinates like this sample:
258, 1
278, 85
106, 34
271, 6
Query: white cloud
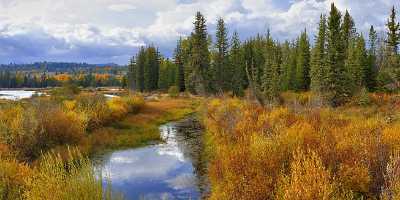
115, 26
122, 7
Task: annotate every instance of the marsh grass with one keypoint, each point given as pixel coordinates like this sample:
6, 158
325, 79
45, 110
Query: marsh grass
69, 178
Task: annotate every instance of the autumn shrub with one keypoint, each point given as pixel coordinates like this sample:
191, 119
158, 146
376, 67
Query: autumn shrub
19, 129
307, 179
12, 178
269, 153
95, 109
58, 127
134, 102
118, 107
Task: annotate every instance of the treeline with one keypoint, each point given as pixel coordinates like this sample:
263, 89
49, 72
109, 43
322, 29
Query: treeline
9, 79
341, 63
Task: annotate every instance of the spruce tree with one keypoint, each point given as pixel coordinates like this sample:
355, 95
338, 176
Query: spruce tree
221, 67
356, 63
372, 69
317, 62
303, 63
393, 32
200, 57
238, 69
132, 74
151, 69
271, 76
293, 65
286, 66
348, 30
140, 63
179, 62
337, 88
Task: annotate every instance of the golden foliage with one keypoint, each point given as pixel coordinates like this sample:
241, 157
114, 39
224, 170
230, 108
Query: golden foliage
308, 179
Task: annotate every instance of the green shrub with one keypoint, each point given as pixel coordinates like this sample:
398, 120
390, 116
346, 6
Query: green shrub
173, 91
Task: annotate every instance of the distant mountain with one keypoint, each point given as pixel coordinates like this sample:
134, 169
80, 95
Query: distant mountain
108, 65
55, 66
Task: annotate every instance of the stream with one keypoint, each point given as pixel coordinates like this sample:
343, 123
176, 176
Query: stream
174, 169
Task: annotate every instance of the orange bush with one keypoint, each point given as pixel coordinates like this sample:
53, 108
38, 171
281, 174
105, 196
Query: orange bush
252, 148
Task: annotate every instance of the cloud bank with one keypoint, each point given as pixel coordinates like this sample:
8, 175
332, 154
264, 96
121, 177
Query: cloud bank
102, 31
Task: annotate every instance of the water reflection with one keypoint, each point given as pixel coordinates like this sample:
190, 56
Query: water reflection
171, 170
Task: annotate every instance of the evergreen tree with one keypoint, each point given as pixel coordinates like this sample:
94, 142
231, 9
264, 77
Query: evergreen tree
254, 61
372, 69
151, 69
393, 32
303, 63
221, 67
348, 30
336, 80
140, 63
200, 57
271, 76
132, 75
168, 73
179, 62
293, 65
236, 60
356, 63
286, 66
317, 62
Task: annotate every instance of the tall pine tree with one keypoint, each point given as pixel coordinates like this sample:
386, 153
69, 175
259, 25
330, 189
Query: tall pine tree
132, 74
303, 63
237, 64
317, 62
179, 62
393, 32
348, 30
140, 63
200, 57
222, 72
356, 63
372, 70
337, 88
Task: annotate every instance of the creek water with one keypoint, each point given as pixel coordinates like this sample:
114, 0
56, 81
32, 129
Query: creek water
16, 94
174, 169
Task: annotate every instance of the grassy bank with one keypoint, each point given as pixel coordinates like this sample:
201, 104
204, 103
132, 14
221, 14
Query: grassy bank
139, 129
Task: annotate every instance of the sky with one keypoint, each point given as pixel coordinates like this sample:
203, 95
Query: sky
111, 31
